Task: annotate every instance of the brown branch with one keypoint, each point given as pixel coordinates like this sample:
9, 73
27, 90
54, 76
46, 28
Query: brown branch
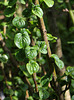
44, 34
34, 78
34, 74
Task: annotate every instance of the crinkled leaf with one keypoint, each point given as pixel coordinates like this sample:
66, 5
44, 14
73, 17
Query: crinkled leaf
3, 58
30, 52
1, 77
43, 93
37, 11
58, 62
18, 22
49, 3
32, 67
22, 1
70, 71
42, 47
21, 40
9, 12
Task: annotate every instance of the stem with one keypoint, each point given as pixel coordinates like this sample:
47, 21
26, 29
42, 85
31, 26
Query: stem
44, 33
34, 78
34, 74
70, 10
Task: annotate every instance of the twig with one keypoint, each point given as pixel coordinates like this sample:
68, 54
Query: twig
67, 87
70, 10
34, 78
44, 34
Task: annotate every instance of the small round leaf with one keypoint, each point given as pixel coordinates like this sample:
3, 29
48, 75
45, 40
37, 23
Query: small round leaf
37, 11
30, 53
21, 40
49, 3
18, 22
32, 67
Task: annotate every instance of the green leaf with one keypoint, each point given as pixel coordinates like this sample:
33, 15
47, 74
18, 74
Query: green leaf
49, 3
72, 83
60, 1
42, 46
58, 62
72, 97
4, 3
18, 22
8, 12
30, 52
20, 55
70, 71
9, 83
8, 91
21, 40
3, 58
24, 70
43, 93
22, 1
1, 78
30, 98
14, 98
26, 31
24, 87
50, 37
12, 2
32, 67
37, 32
37, 11
7, 98
18, 80
41, 61
45, 80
